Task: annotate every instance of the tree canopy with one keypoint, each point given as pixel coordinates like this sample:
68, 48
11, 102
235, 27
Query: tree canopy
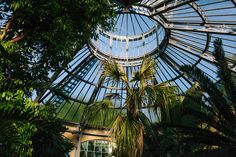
39, 37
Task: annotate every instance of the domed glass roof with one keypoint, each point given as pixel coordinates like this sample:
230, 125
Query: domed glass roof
172, 32
133, 37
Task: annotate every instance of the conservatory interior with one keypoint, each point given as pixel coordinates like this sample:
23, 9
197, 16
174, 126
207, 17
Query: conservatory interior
118, 78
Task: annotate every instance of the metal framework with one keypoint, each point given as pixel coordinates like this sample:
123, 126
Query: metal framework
189, 28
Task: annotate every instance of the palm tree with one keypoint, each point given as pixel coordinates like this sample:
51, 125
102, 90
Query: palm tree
215, 118
129, 124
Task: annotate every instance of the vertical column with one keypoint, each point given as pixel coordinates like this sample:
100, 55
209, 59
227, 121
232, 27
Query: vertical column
127, 48
78, 143
143, 44
77, 149
96, 42
111, 42
157, 37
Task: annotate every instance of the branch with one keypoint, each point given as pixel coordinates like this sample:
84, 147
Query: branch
18, 38
5, 29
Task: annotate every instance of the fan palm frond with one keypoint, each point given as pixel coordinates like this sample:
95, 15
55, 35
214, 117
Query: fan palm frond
165, 99
128, 135
145, 72
100, 113
134, 101
147, 124
114, 71
129, 124
150, 95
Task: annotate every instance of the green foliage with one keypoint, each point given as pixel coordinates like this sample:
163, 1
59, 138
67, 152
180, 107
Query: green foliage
42, 36
128, 134
103, 114
168, 138
228, 79
39, 38
71, 111
166, 100
209, 129
129, 124
115, 72
28, 129
146, 71
217, 97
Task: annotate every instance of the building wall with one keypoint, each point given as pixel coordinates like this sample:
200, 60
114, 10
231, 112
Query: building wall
91, 134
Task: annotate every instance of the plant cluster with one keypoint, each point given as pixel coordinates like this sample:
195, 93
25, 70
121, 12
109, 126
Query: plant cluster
37, 40
129, 124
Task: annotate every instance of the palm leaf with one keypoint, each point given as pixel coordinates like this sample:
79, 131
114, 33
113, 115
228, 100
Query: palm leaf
129, 123
145, 72
100, 114
165, 99
128, 135
147, 125
150, 95
216, 96
114, 71
134, 101
228, 78
200, 135
11, 113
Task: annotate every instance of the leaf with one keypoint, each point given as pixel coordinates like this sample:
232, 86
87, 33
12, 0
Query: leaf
100, 114
115, 72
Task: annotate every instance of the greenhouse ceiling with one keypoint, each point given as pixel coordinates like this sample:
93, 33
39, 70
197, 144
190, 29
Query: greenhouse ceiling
172, 32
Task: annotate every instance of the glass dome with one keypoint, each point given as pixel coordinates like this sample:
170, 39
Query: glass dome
172, 32
134, 36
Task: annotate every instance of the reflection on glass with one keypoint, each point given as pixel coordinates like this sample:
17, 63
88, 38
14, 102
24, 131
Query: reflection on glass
96, 148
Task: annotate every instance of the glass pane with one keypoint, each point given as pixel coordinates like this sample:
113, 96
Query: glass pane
104, 154
84, 146
91, 145
91, 154
98, 154
105, 148
95, 148
99, 142
98, 148
83, 153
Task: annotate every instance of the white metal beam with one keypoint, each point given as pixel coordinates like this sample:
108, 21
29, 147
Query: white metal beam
199, 11
207, 28
205, 56
166, 7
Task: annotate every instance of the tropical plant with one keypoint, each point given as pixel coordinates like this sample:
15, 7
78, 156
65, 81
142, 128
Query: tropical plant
30, 130
37, 40
41, 37
129, 124
213, 128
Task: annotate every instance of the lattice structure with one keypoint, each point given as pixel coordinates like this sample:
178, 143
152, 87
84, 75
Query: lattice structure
183, 32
